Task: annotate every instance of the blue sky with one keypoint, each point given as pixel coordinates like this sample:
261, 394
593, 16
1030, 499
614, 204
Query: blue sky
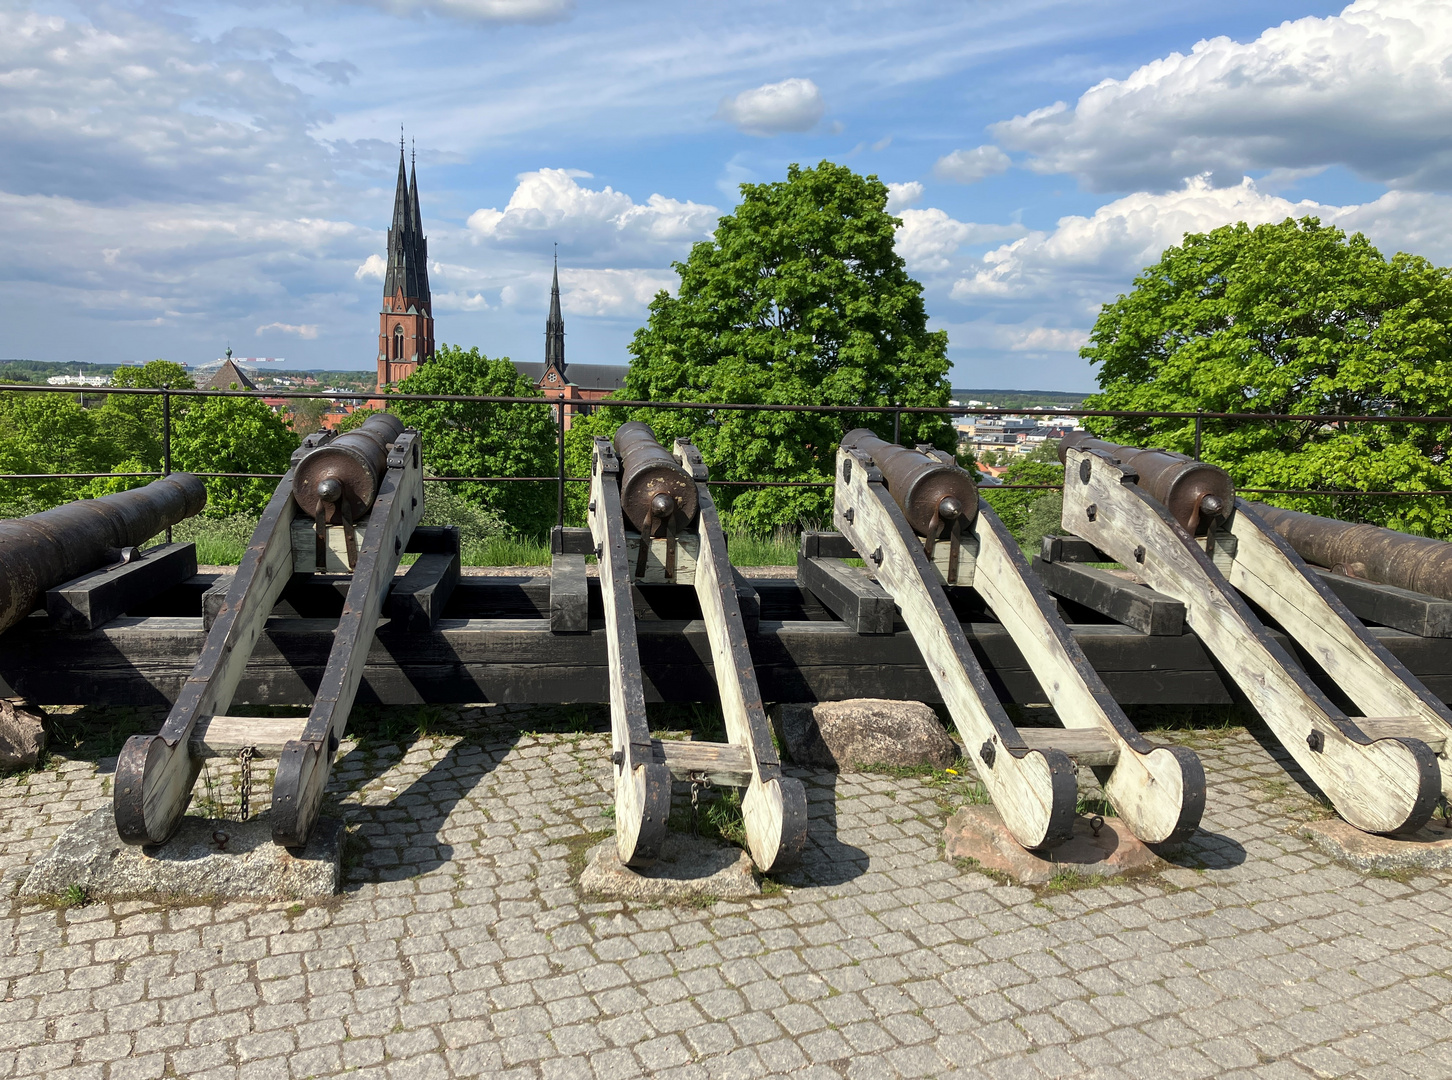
183, 175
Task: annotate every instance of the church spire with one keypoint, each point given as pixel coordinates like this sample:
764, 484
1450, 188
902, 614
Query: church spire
416, 217
407, 249
555, 327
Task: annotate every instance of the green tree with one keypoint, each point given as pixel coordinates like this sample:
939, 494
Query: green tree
132, 424
1290, 318
233, 435
463, 438
799, 299
50, 433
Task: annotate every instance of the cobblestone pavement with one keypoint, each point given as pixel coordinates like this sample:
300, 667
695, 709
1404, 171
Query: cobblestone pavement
462, 948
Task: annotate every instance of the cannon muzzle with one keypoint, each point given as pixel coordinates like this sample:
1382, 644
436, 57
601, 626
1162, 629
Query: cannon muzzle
48, 549
930, 493
341, 477
654, 489
1195, 493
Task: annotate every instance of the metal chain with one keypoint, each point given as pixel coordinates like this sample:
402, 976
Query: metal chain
699, 780
245, 756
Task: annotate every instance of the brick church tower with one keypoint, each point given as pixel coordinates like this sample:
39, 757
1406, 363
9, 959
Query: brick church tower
406, 323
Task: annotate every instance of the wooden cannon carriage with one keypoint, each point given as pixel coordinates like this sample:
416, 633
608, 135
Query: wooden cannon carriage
944, 611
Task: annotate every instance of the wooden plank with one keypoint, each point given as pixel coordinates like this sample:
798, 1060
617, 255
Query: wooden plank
224, 736
848, 592
434, 540
1371, 601
569, 595
303, 766
1268, 571
1406, 727
90, 600
1071, 549
774, 807
687, 551
214, 598
154, 773
1158, 792
642, 787
569, 540
1088, 746
749, 601
335, 549
723, 764
1384, 786
416, 602
1125, 602
828, 545
1034, 791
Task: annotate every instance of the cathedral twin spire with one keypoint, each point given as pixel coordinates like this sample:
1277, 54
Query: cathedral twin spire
555, 328
408, 251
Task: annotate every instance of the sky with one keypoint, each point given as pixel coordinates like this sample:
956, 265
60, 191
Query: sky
183, 176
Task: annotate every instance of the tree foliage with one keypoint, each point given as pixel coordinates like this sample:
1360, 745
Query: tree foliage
232, 434
1294, 318
800, 298
462, 438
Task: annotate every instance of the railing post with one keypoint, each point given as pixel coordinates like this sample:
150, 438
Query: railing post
166, 441
560, 516
897, 426
1199, 427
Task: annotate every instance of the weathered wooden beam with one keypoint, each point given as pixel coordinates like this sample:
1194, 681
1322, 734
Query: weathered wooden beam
224, 736
1370, 601
848, 592
1125, 602
568, 540
1071, 549
827, 545
569, 595
93, 599
722, 763
417, 600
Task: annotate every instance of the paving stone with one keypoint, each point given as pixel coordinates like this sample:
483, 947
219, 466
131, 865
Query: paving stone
459, 946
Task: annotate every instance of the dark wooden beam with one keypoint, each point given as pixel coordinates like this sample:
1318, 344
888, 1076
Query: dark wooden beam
94, 599
1370, 601
848, 592
1125, 602
569, 595
1071, 549
417, 600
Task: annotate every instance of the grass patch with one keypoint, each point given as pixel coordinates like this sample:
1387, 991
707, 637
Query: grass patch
506, 551
73, 896
702, 720
720, 818
578, 850
964, 862
1066, 879
221, 541
97, 731
777, 549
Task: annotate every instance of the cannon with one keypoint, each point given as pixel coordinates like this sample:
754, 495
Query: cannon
1179, 527
155, 773
1416, 563
55, 546
892, 503
1196, 494
676, 537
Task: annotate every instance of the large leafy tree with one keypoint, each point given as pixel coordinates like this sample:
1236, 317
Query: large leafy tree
132, 424
49, 433
799, 299
233, 435
463, 438
1290, 318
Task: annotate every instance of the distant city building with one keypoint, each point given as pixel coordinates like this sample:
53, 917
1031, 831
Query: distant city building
229, 377
79, 380
406, 323
576, 383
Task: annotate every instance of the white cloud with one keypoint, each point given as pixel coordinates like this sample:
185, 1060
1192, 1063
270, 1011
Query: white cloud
459, 300
901, 196
1045, 339
496, 11
306, 331
611, 292
929, 238
549, 205
1094, 257
790, 105
375, 267
970, 166
1370, 89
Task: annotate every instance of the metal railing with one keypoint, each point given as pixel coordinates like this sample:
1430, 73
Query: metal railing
560, 405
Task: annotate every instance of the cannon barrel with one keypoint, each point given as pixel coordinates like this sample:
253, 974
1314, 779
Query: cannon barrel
48, 549
346, 472
653, 486
1193, 492
1418, 563
923, 487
